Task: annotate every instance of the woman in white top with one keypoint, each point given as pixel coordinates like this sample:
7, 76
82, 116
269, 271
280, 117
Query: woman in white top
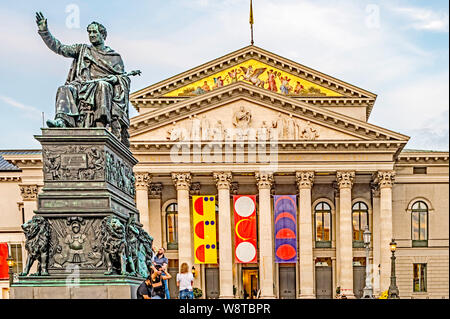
185, 280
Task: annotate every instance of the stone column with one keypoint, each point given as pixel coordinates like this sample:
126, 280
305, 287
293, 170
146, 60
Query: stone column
306, 260
376, 235
182, 182
264, 182
29, 196
154, 195
345, 182
142, 181
385, 180
223, 180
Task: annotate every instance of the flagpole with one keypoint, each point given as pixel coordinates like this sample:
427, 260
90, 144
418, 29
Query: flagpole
251, 21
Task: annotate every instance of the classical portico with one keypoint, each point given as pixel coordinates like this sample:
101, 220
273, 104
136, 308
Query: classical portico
317, 145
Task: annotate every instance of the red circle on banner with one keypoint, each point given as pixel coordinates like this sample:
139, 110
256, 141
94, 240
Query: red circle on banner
200, 253
285, 233
283, 215
200, 230
286, 252
198, 205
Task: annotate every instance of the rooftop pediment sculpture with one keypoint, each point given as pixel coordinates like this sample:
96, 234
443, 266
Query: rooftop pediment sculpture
96, 92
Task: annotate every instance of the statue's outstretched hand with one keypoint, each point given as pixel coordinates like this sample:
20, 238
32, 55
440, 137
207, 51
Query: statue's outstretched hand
41, 21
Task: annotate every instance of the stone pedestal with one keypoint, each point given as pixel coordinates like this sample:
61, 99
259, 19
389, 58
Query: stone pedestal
87, 206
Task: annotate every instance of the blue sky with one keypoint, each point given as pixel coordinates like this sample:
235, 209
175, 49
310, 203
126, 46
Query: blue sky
396, 49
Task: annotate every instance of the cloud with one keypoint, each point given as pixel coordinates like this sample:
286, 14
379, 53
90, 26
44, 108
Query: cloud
424, 19
12, 102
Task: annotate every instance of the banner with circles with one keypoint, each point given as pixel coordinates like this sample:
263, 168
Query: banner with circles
245, 228
204, 220
285, 214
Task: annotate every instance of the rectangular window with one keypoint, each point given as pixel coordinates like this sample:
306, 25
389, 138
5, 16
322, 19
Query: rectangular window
420, 277
419, 170
16, 254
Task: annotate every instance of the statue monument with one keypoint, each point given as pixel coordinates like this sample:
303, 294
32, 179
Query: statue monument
85, 239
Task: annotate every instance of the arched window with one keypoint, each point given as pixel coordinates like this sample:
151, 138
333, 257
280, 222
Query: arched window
172, 226
322, 222
419, 224
360, 218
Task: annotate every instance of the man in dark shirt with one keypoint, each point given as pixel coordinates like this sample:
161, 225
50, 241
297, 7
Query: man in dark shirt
144, 291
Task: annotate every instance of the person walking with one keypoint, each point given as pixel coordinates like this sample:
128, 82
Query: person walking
161, 260
144, 290
157, 279
185, 280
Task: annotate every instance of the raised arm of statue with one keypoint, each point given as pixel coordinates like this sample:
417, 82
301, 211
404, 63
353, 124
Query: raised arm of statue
68, 51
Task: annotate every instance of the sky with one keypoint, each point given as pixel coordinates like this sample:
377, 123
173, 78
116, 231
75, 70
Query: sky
396, 49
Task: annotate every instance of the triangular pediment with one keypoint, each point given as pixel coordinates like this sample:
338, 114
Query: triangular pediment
300, 121
260, 68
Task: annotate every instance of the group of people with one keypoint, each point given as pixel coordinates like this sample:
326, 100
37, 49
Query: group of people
156, 285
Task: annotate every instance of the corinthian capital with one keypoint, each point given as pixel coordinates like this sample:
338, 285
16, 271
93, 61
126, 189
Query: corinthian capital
264, 180
223, 179
142, 180
155, 190
345, 179
385, 178
182, 181
28, 192
304, 179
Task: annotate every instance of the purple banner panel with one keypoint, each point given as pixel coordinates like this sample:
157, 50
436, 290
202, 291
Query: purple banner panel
285, 214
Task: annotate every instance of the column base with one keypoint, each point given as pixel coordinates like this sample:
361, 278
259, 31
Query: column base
307, 296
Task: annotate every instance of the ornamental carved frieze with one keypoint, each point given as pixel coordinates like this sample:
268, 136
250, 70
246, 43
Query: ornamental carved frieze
264, 180
223, 179
28, 192
142, 180
305, 180
182, 181
195, 188
345, 179
73, 163
155, 190
120, 174
234, 188
385, 178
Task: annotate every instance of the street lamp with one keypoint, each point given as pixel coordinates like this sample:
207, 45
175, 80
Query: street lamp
10, 262
393, 292
368, 291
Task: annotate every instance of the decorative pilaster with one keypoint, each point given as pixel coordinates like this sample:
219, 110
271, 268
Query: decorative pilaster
376, 233
385, 181
234, 188
345, 182
29, 196
182, 182
223, 181
336, 225
154, 199
266, 261
305, 182
195, 188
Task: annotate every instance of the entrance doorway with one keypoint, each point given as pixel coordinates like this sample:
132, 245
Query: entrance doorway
324, 278
287, 281
250, 283
212, 283
359, 276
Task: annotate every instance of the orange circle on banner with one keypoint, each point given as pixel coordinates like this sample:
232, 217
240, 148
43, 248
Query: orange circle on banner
286, 252
200, 230
200, 253
198, 205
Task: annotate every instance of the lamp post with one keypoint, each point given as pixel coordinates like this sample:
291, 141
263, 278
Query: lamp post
393, 292
368, 290
10, 262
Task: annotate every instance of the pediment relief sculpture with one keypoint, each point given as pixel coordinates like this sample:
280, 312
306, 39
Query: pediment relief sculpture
241, 127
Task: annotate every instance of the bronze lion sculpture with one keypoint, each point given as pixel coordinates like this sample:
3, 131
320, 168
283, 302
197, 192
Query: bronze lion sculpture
113, 245
37, 234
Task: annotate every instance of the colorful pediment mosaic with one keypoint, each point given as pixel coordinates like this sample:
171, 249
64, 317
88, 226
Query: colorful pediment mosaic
258, 74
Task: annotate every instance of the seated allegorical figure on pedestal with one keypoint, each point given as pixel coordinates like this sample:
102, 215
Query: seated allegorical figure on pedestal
97, 88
